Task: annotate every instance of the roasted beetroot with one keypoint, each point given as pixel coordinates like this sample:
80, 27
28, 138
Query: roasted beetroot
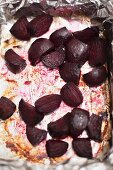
78, 121
94, 128
7, 108
29, 114
96, 52
87, 34
71, 94
95, 77
60, 128
38, 48
82, 147
14, 62
56, 148
76, 51
60, 36
70, 72
35, 135
40, 25
53, 59
20, 29
47, 104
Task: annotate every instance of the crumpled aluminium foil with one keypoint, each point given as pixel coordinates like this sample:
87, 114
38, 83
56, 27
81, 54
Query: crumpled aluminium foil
104, 9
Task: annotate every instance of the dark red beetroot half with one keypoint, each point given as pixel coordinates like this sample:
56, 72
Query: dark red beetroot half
35, 135
14, 62
47, 104
40, 47
20, 29
29, 114
70, 72
71, 94
60, 128
97, 52
60, 36
40, 25
78, 121
56, 148
7, 108
76, 51
87, 34
82, 147
95, 77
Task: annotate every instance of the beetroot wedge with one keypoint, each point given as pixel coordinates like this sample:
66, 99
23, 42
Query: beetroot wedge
71, 94
47, 104
7, 108
78, 121
35, 135
70, 72
56, 148
20, 29
96, 52
76, 51
60, 36
87, 34
40, 25
60, 128
40, 47
29, 114
14, 62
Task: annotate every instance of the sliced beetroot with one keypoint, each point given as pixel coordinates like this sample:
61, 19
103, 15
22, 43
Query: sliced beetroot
95, 77
56, 148
78, 121
53, 59
87, 34
70, 72
82, 147
96, 52
71, 94
38, 48
35, 135
47, 104
20, 29
40, 25
7, 108
76, 51
94, 128
29, 114
60, 36
14, 62
60, 128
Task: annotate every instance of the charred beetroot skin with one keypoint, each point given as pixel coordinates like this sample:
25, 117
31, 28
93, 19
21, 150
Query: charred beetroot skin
78, 121
35, 135
94, 128
60, 128
48, 103
39, 48
53, 59
70, 72
20, 29
76, 51
14, 62
71, 94
87, 34
60, 36
56, 148
7, 108
96, 52
40, 25
29, 114
82, 147
95, 77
